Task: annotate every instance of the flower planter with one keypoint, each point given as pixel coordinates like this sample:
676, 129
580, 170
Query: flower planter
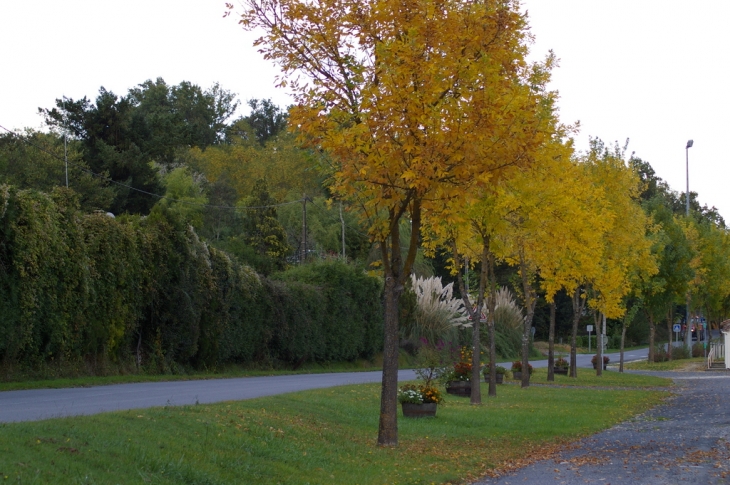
424, 410
517, 375
595, 366
560, 370
499, 380
459, 388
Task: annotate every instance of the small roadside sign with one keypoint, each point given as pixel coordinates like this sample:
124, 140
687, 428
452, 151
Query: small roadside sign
589, 328
677, 327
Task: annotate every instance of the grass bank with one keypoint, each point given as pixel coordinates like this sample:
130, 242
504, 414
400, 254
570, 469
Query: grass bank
23, 382
314, 437
564, 349
689, 365
610, 378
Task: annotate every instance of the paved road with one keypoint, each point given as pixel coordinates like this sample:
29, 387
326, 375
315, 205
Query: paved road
584, 360
686, 440
34, 405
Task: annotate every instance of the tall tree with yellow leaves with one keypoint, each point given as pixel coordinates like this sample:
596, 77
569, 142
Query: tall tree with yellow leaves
538, 207
625, 251
405, 95
468, 224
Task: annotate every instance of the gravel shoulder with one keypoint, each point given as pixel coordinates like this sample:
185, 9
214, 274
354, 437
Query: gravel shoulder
684, 440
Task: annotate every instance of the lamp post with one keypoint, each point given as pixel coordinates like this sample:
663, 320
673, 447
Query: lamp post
689, 145
688, 324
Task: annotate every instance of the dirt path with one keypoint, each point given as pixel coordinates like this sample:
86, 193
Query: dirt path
685, 440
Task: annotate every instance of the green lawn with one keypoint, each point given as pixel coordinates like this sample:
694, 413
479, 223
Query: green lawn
21, 382
667, 366
610, 378
315, 437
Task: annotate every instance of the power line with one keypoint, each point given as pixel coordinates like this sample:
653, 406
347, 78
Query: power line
336, 218
162, 197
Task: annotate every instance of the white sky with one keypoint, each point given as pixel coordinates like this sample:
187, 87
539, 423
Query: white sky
647, 70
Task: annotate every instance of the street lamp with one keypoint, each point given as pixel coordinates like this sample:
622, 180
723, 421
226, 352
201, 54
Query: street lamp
689, 145
688, 324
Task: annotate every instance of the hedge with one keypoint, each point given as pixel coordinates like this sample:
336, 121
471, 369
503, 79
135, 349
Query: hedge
147, 290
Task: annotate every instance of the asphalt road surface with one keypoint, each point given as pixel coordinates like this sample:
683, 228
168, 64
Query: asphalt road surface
34, 405
38, 404
684, 441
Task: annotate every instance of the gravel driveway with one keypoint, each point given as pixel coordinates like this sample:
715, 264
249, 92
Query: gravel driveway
685, 440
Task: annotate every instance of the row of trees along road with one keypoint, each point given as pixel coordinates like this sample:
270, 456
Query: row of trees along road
435, 135
431, 115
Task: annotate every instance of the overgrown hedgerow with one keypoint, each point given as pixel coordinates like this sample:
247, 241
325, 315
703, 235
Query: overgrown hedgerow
147, 292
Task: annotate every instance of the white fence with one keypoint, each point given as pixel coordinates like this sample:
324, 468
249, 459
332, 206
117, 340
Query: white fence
716, 354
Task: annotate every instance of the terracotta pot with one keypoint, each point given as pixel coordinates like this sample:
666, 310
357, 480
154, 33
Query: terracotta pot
424, 410
459, 388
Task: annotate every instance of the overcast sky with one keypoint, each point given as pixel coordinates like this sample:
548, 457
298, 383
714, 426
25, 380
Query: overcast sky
652, 71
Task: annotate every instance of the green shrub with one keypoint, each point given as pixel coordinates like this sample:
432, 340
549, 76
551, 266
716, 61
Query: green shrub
681, 352
147, 292
698, 350
508, 341
614, 341
350, 316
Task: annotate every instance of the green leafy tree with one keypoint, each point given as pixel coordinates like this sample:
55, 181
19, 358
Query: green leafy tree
35, 160
266, 119
121, 135
104, 129
673, 254
261, 229
184, 196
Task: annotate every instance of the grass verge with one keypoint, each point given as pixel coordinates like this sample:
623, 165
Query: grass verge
610, 378
228, 372
564, 349
312, 437
693, 364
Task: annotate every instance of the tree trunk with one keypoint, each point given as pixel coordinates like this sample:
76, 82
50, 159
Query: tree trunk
476, 390
551, 343
578, 304
530, 299
599, 343
652, 332
475, 314
688, 332
669, 327
395, 271
491, 304
621, 358
388, 427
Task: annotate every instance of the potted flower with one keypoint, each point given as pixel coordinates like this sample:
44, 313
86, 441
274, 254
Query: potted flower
594, 361
560, 366
419, 401
517, 369
500, 372
458, 379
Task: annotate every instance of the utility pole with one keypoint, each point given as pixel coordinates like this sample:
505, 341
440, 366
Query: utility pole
688, 323
65, 136
342, 221
303, 256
